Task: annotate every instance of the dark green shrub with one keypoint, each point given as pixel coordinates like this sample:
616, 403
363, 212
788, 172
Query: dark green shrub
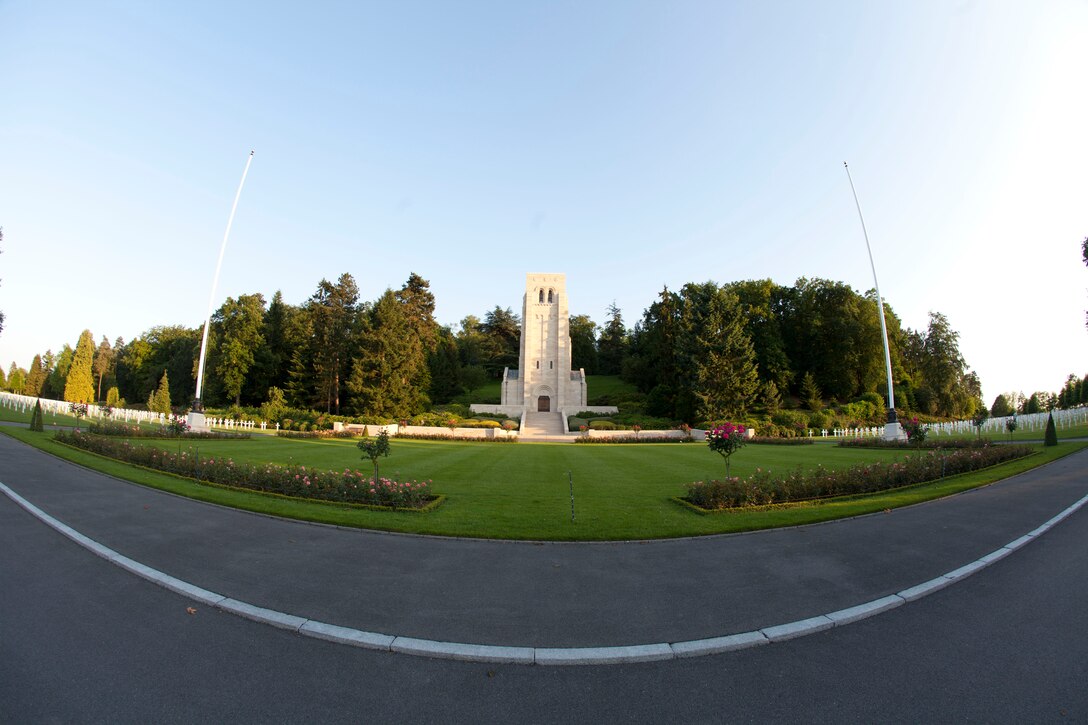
1051, 436
36, 418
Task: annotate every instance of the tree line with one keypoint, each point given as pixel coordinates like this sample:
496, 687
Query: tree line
701, 353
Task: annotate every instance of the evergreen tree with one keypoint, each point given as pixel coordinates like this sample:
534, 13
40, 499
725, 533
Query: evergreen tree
770, 397
58, 375
445, 368
159, 400
385, 380
272, 359
103, 361
334, 319
79, 385
16, 379
418, 303
35, 377
810, 392
612, 343
1051, 436
36, 417
762, 305
3, 379
725, 362
113, 397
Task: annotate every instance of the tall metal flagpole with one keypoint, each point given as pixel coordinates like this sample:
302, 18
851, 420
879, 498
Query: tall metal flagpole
197, 420
892, 429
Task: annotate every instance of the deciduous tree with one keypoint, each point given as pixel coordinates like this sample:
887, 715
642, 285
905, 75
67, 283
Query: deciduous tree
238, 326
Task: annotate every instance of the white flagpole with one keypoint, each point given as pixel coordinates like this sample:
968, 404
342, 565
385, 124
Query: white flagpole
197, 405
891, 431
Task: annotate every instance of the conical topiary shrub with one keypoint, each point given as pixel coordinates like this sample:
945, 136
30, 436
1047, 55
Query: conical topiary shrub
36, 417
1051, 437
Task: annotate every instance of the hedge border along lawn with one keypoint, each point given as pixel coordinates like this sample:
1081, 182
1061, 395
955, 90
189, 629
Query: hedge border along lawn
537, 506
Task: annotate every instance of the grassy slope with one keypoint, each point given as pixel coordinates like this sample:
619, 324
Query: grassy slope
521, 491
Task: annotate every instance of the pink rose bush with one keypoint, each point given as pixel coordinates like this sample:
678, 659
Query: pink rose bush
347, 486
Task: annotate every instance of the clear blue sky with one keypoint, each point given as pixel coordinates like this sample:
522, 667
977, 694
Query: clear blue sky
630, 145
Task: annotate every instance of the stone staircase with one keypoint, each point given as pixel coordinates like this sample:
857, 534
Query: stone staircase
537, 426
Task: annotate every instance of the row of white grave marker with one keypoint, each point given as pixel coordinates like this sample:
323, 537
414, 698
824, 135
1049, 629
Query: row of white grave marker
25, 403
1063, 419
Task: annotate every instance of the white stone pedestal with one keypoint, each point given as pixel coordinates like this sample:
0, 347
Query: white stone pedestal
894, 432
196, 422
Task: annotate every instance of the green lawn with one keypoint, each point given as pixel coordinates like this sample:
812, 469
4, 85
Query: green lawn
521, 491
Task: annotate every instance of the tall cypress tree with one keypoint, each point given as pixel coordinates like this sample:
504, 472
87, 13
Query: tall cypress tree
79, 386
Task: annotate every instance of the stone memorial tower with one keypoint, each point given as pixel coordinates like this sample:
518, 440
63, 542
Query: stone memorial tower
544, 381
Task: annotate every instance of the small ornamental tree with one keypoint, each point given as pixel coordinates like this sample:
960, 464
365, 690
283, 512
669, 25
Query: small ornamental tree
36, 417
1011, 425
374, 449
1050, 438
725, 440
981, 416
79, 410
916, 430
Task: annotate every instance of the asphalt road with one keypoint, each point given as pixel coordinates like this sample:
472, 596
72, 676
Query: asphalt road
84, 641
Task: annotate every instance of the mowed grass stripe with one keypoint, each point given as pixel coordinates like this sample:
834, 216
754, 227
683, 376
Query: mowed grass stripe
521, 491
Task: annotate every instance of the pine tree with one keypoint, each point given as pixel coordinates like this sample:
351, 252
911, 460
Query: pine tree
79, 385
612, 343
726, 378
772, 399
385, 380
810, 394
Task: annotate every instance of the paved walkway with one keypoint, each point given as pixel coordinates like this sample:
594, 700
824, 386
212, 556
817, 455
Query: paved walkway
543, 595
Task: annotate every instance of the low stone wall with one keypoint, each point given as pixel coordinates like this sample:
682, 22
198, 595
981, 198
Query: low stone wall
647, 435
393, 430
510, 411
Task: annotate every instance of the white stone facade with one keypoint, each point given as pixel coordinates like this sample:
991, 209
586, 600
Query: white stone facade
544, 381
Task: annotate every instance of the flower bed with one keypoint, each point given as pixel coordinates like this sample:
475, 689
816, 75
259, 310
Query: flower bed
644, 438
315, 434
347, 486
762, 488
173, 430
460, 439
930, 445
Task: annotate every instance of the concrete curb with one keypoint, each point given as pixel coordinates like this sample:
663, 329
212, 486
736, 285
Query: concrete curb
538, 655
